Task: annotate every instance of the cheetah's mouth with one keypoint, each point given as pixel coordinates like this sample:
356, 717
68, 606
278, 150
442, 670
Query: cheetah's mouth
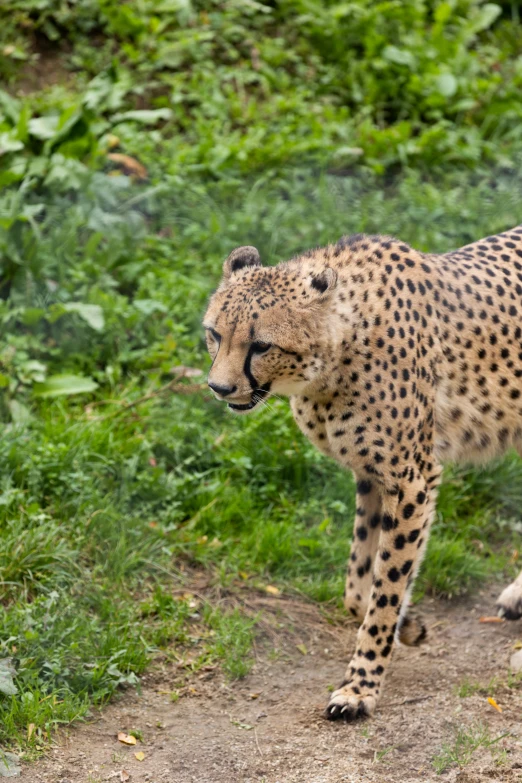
257, 396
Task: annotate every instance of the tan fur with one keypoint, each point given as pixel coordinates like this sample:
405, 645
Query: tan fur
394, 361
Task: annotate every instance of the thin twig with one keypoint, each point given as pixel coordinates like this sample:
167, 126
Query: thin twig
172, 386
411, 701
257, 742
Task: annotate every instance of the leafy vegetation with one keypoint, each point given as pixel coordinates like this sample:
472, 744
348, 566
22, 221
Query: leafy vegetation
168, 134
247, 85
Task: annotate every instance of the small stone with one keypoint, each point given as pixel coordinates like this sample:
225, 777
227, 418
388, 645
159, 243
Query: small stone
515, 663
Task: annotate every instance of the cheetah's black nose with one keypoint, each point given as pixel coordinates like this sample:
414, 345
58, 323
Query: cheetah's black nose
223, 391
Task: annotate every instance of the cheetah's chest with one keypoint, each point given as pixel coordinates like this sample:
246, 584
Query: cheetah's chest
334, 428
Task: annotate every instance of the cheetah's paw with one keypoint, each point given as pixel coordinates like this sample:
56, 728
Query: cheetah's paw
412, 631
509, 603
351, 702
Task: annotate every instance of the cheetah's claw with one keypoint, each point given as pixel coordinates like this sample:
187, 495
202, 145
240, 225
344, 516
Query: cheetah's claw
346, 705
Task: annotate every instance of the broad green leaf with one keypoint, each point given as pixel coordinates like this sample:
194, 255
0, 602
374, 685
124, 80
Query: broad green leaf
9, 107
92, 314
66, 122
7, 672
149, 306
31, 315
32, 210
20, 414
107, 90
43, 127
485, 17
9, 143
60, 385
446, 84
145, 116
32, 370
65, 172
400, 56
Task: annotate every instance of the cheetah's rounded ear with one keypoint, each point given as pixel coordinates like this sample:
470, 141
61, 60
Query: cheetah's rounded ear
322, 283
240, 258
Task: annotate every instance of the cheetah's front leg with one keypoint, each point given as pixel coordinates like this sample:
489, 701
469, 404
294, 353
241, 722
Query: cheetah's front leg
407, 513
366, 529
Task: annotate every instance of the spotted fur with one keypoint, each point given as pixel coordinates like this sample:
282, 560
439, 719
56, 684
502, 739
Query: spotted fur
394, 361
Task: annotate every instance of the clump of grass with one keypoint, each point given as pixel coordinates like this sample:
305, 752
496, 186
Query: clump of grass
451, 567
34, 556
495, 684
467, 740
469, 688
231, 641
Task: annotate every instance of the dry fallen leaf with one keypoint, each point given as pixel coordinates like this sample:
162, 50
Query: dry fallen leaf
130, 166
302, 649
185, 372
31, 727
272, 590
494, 704
494, 619
241, 725
112, 141
124, 776
127, 739
140, 755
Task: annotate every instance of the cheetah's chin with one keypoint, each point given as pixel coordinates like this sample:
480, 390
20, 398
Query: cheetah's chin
249, 406
257, 397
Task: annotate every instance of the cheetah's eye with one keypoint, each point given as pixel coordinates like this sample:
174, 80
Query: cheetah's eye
260, 347
215, 335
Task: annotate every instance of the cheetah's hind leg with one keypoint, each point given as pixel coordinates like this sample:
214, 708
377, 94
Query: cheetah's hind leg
412, 630
509, 603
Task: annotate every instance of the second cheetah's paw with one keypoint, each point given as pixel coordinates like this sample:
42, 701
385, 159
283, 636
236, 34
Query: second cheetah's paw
509, 603
412, 631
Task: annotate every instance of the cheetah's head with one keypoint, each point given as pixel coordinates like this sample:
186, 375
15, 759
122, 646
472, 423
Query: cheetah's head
265, 328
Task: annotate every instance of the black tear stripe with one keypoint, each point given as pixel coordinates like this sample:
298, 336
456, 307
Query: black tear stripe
254, 383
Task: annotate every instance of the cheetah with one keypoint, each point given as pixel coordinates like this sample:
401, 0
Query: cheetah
395, 361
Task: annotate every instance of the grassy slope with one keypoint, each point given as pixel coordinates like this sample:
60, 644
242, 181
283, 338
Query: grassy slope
103, 512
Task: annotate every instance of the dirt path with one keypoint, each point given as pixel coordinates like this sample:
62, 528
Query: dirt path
269, 728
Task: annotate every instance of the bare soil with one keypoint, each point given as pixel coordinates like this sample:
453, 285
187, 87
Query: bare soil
269, 727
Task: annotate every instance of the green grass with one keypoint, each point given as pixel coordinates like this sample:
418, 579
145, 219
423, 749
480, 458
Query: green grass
109, 503
103, 511
466, 742
495, 685
237, 87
